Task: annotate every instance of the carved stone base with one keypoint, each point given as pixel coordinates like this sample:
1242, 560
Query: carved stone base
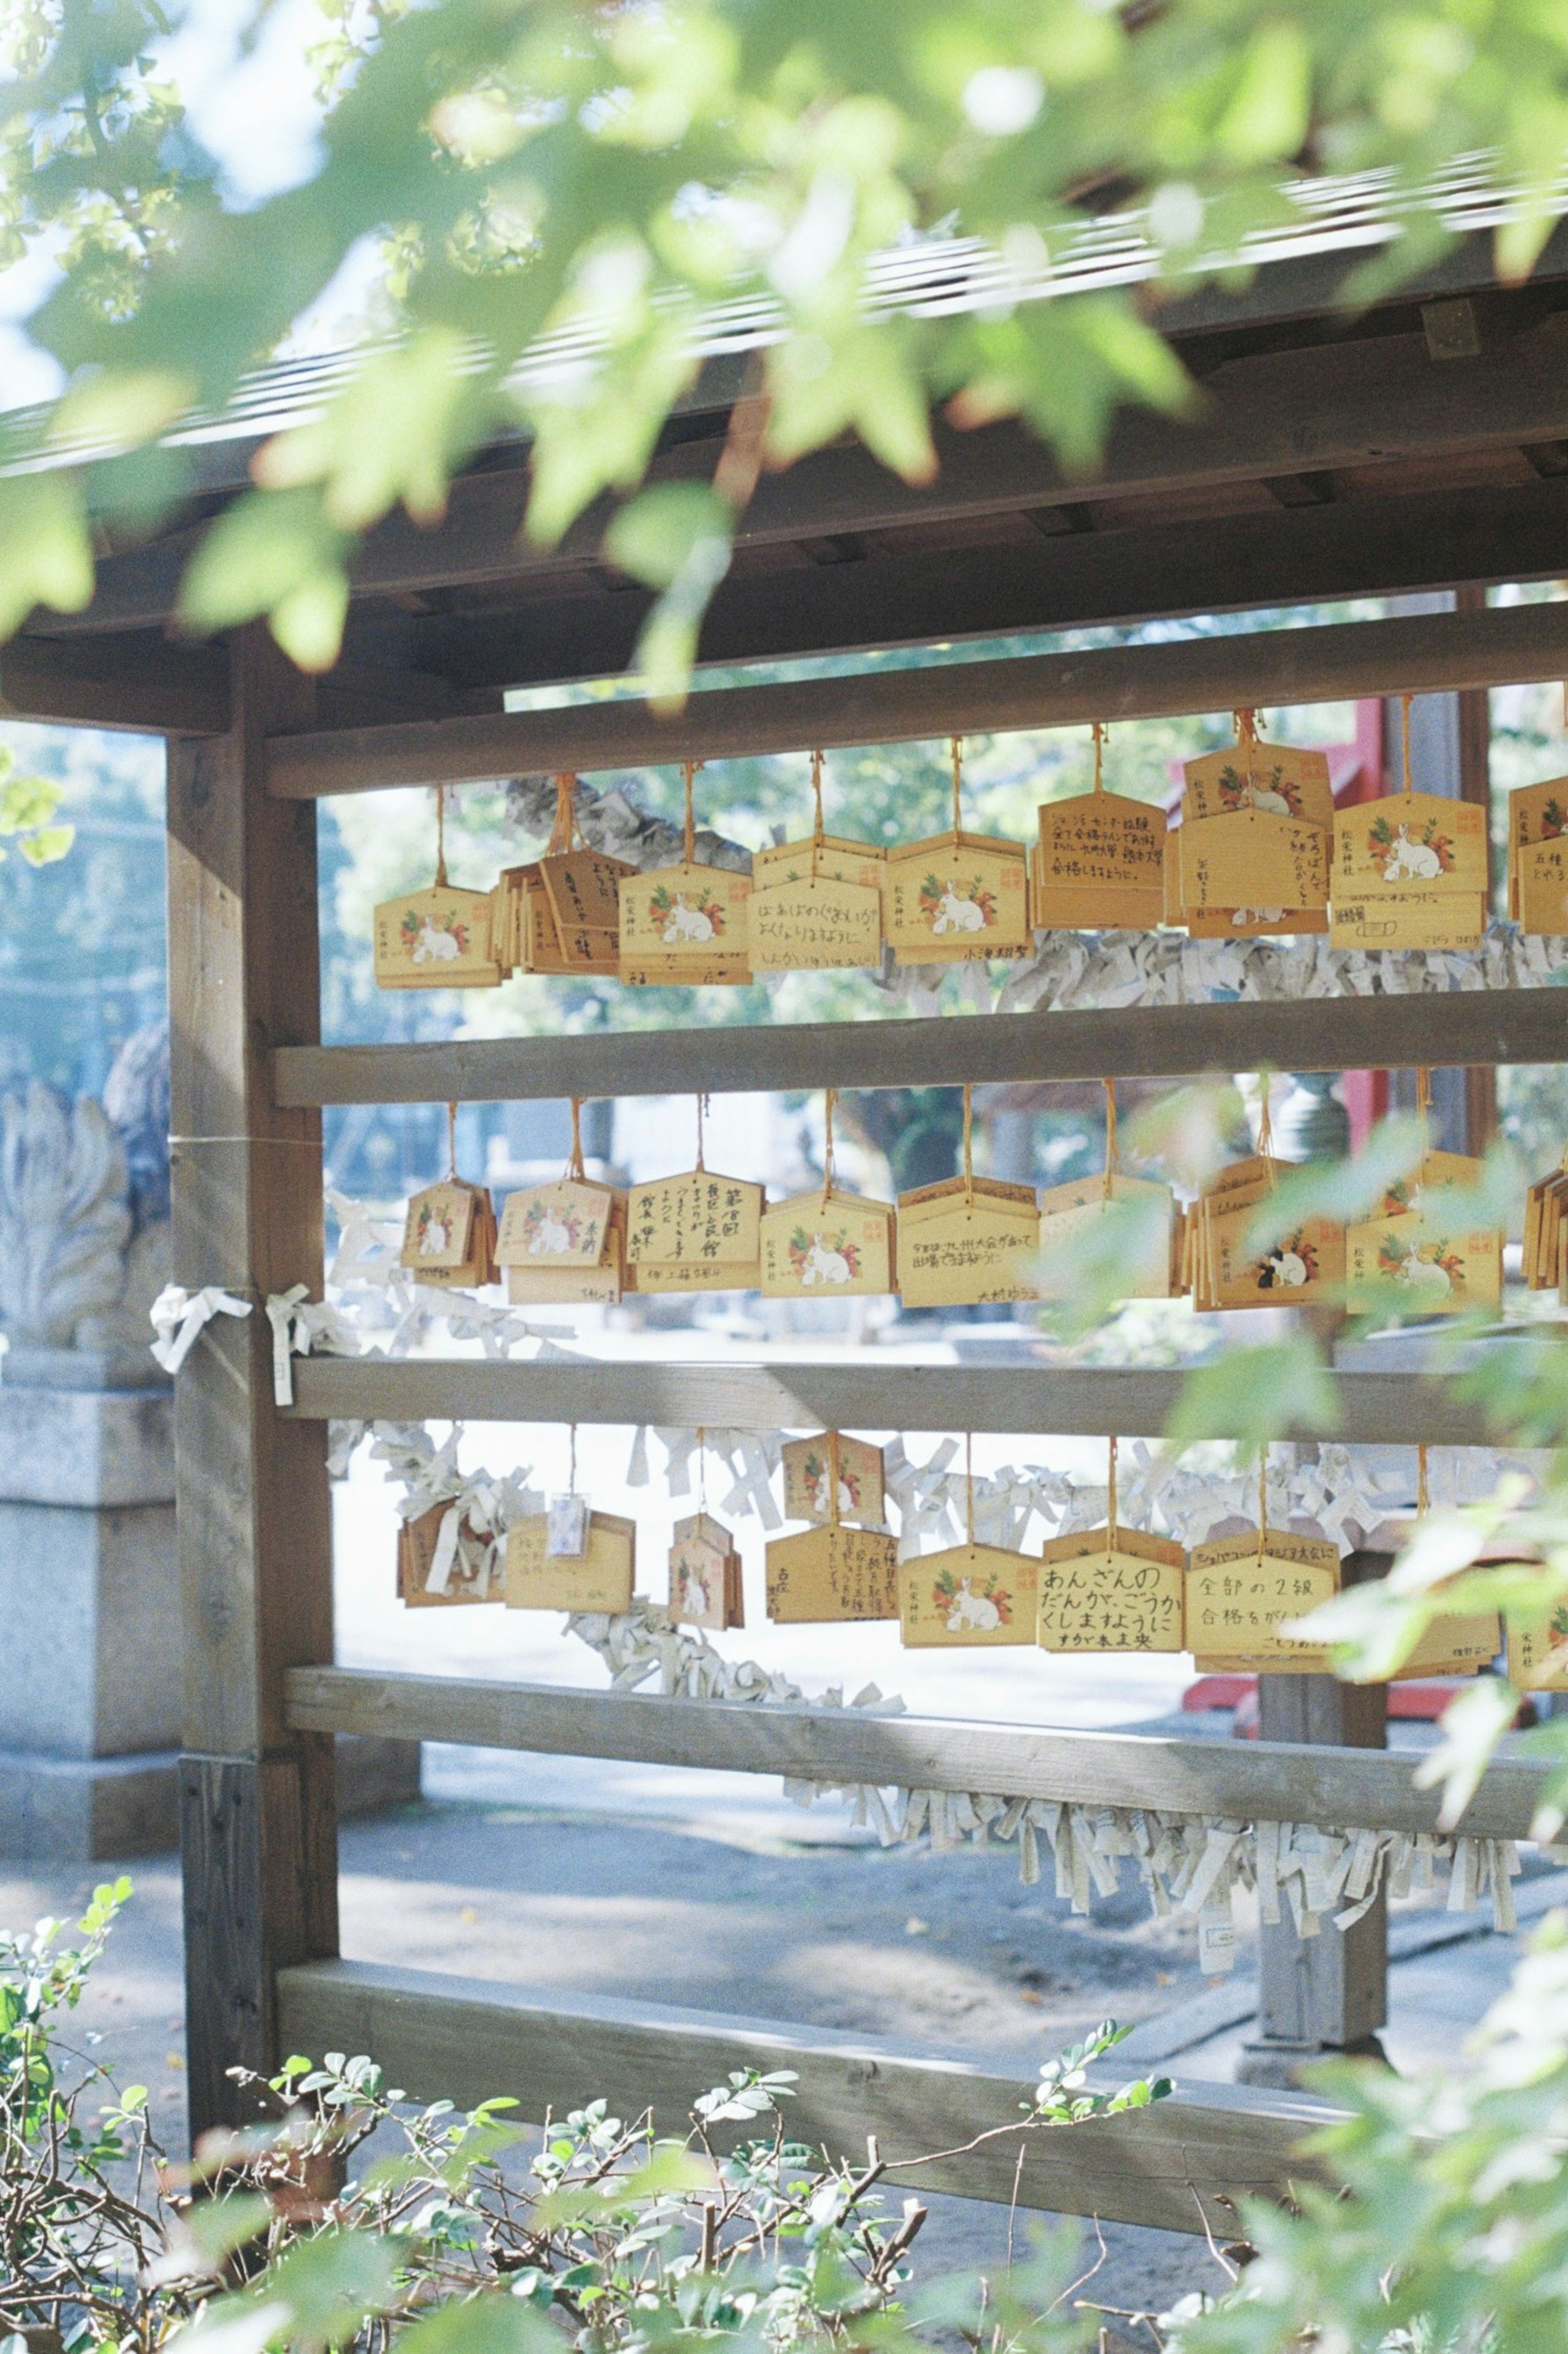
83, 1809
30, 1367
1274, 2062
93, 1809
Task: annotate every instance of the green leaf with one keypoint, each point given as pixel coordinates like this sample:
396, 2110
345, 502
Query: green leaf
273, 552
1344, 1189
495, 2324
1255, 1395
333, 2284
46, 555
674, 537
1271, 107
392, 434
1472, 1726
655, 535
51, 842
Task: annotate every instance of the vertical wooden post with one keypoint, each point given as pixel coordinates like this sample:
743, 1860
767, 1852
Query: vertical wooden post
1329, 1993
258, 1802
1476, 785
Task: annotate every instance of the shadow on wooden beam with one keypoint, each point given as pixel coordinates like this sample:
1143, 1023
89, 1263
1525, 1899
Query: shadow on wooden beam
1185, 2160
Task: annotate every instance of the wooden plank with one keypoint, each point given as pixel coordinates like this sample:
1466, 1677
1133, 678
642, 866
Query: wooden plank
137, 682
254, 1509
1388, 1409
443, 2037
1327, 1993
1314, 1034
1263, 413
1275, 1781
996, 583
1418, 653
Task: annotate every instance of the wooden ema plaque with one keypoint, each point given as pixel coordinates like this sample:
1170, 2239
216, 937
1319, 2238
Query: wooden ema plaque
684, 924
1067, 1213
1544, 1259
1305, 1266
561, 915
600, 1579
1279, 780
1252, 850
969, 1594
808, 1479
815, 906
826, 1243
704, 1575
1111, 1590
819, 1576
563, 1242
448, 1235
954, 897
967, 1241
1537, 1651
695, 1233
1410, 872
1453, 1646
1100, 865
564, 1225
1255, 868
1422, 1263
470, 1571
438, 939
1538, 856
1236, 1603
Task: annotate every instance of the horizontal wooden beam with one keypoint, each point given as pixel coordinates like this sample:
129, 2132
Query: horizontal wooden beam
995, 584
1319, 1034
137, 682
1270, 1781
1259, 414
1011, 1401
1418, 653
1180, 2165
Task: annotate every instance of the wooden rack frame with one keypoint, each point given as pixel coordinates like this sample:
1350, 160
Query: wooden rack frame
1069, 1402
1312, 475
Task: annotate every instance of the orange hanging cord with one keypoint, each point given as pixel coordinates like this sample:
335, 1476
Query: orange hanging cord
564, 831
1112, 1152
440, 837
574, 1163
452, 1143
1405, 703
1245, 723
829, 1099
1099, 735
968, 1149
690, 770
816, 810
701, 1114
1110, 1495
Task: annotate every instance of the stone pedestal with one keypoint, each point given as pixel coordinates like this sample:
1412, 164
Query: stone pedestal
89, 1622
90, 1631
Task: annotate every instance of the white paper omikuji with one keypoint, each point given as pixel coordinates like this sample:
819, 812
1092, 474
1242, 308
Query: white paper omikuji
179, 1317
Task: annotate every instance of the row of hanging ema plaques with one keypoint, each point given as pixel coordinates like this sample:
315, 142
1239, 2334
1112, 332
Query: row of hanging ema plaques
1258, 848
1112, 1588
970, 1240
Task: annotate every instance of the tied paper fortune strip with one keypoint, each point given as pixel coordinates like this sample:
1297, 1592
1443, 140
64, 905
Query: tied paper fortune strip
1188, 1864
179, 1317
